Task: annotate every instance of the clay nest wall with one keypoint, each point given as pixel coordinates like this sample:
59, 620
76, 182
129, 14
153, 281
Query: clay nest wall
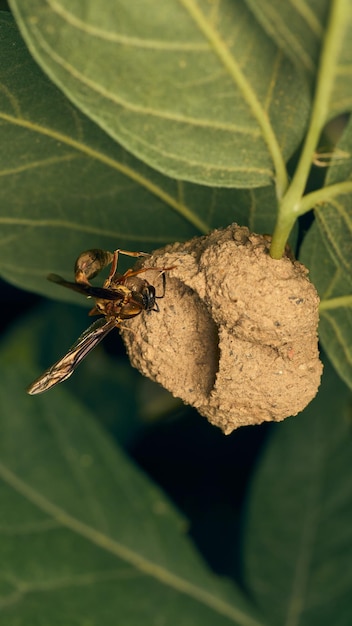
236, 332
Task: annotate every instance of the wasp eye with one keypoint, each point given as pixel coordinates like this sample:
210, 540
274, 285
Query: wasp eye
149, 298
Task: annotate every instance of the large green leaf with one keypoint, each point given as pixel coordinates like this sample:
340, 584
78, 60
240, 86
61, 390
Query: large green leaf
298, 532
198, 91
66, 186
327, 252
85, 538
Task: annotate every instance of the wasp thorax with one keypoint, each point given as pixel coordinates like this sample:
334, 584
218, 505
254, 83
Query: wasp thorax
236, 334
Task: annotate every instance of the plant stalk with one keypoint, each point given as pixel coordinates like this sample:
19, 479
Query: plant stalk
291, 205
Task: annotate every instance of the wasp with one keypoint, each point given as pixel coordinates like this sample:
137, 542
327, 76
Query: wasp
121, 297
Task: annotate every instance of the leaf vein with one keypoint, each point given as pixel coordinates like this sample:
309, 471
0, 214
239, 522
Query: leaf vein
148, 567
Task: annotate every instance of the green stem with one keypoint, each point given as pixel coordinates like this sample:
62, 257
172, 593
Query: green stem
336, 303
292, 201
310, 200
284, 224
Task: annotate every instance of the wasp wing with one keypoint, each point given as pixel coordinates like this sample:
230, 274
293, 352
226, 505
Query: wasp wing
88, 290
62, 369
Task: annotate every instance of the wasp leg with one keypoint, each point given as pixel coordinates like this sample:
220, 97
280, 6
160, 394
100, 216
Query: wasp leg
115, 261
161, 271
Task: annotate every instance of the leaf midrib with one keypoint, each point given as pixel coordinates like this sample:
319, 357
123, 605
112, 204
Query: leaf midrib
260, 115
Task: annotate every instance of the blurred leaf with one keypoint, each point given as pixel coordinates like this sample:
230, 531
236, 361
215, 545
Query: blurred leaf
66, 186
327, 253
297, 28
84, 537
197, 91
298, 532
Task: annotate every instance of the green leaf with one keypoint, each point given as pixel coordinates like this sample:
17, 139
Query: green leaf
334, 217
297, 28
199, 92
298, 532
85, 538
334, 288
327, 253
66, 186
61, 174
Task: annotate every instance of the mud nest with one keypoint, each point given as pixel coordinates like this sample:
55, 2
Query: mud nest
236, 332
